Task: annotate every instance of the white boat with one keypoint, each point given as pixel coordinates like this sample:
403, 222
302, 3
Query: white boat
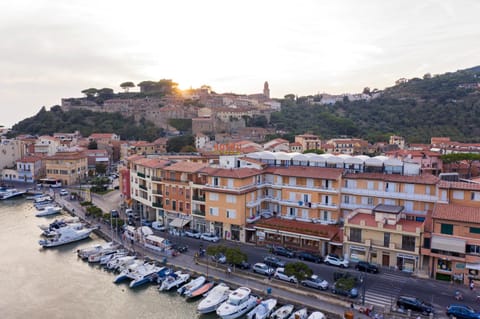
299, 314
66, 235
119, 253
95, 258
7, 193
54, 230
173, 280
283, 312
317, 315
239, 302
124, 274
191, 286
120, 262
263, 310
145, 273
85, 252
214, 298
58, 223
48, 210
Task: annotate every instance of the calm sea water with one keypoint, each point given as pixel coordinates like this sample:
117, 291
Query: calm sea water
54, 283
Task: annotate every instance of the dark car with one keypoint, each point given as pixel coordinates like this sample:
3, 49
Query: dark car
366, 266
242, 265
114, 213
339, 288
462, 312
282, 251
304, 255
273, 261
414, 304
180, 247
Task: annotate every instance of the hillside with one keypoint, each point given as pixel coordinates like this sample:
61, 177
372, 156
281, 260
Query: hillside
443, 105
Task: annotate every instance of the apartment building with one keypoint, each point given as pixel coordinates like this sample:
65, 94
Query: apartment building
309, 142
349, 146
68, 167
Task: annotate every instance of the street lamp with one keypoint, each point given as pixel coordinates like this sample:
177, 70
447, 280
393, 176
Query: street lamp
363, 280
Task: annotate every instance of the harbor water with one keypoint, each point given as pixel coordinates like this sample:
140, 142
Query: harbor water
54, 283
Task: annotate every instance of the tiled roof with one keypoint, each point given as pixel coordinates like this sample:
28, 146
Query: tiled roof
294, 226
187, 167
30, 159
459, 185
102, 135
459, 213
66, 156
306, 171
231, 173
415, 179
151, 162
407, 225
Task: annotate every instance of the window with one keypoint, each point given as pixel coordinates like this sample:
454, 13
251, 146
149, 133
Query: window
474, 230
370, 185
475, 196
446, 229
356, 235
386, 239
473, 249
326, 215
292, 211
174, 205
213, 211
213, 196
458, 194
231, 213
231, 199
346, 199
215, 181
370, 201
292, 181
408, 243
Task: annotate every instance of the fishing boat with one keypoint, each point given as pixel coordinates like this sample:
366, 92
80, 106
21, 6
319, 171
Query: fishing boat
214, 298
283, 312
299, 314
239, 302
202, 290
317, 315
262, 310
193, 285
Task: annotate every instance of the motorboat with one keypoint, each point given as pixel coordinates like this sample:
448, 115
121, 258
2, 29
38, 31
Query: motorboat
126, 272
214, 298
42, 201
119, 253
57, 223
54, 230
48, 211
239, 302
95, 258
7, 193
174, 280
84, 253
262, 310
145, 273
193, 285
317, 315
299, 314
283, 312
120, 262
66, 235
202, 290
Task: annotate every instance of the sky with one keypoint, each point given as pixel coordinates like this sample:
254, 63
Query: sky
53, 49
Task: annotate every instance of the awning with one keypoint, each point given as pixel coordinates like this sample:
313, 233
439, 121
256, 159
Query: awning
179, 222
473, 266
448, 244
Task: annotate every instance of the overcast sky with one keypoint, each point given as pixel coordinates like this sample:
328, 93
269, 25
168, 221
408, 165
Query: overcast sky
56, 48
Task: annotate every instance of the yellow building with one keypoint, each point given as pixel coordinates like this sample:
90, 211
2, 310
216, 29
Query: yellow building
68, 167
383, 235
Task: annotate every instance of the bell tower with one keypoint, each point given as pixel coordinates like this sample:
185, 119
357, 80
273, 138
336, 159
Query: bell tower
266, 90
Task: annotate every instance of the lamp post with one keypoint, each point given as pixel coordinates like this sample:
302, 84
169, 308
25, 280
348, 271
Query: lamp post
364, 283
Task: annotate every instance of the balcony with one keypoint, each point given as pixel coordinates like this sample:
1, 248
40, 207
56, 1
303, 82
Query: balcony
143, 187
156, 192
140, 175
198, 212
198, 198
157, 205
156, 179
390, 194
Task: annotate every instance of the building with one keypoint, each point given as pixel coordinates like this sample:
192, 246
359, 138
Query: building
397, 140
30, 169
309, 142
68, 167
46, 145
350, 146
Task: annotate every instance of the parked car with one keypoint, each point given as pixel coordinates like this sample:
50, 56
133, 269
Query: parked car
315, 282
280, 274
158, 226
334, 260
273, 261
180, 247
210, 237
263, 269
462, 312
282, 251
146, 223
193, 233
63, 192
114, 213
219, 258
304, 255
340, 289
243, 265
366, 266
414, 304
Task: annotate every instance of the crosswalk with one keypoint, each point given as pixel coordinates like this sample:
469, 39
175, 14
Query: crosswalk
383, 293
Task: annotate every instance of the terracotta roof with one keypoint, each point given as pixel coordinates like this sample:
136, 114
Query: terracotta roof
30, 159
151, 162
66, 156
187, 167
459, 185
459, 213
294, 226
102, 135
231, 172
407, 225
134, 157
415, 179
295, 144
306, 171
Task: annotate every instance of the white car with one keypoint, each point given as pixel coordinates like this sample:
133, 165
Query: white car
63, 192
158, 226
261, 268
210, 237
280, 274
315, 282
193, 233
334, 260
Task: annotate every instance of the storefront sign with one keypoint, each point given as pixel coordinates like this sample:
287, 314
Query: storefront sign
260, 235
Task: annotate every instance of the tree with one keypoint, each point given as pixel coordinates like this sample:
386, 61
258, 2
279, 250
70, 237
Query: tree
175, 144
127, 85
90, 93
367, 91
298, 269
235, 256
457, 158
92, 145
100, 168
290, 97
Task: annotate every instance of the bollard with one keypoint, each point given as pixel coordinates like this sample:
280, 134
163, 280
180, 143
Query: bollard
409, 313
430, 315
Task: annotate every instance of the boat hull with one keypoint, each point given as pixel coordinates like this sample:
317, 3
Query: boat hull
238, 311
46, 243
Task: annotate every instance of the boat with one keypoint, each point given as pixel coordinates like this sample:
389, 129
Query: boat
57, 223
119, 253
145, 273
299, 314
34, 196
42, 201
54, 230
263, 310
193, 285
44, 204
48, 211
239, 302
202, 290
120, 262
7, 193
95, 258
214, 298
317, 315
283, 312
84, 253
66, 235
173, 280
124, 274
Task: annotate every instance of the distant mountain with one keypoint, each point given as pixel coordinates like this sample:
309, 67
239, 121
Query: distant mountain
440, 105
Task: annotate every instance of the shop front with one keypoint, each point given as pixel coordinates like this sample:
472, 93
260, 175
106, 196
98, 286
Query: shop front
357, 253
406, 263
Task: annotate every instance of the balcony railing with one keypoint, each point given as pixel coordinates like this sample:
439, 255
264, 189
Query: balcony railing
158, 205
198, 212
156, 178
142, 187
198, 198
140, 175
389, 194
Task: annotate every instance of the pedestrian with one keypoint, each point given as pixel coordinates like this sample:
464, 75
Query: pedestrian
269, 276
472, 285
229, 271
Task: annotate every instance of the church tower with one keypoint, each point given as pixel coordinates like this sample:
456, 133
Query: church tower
266, 90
